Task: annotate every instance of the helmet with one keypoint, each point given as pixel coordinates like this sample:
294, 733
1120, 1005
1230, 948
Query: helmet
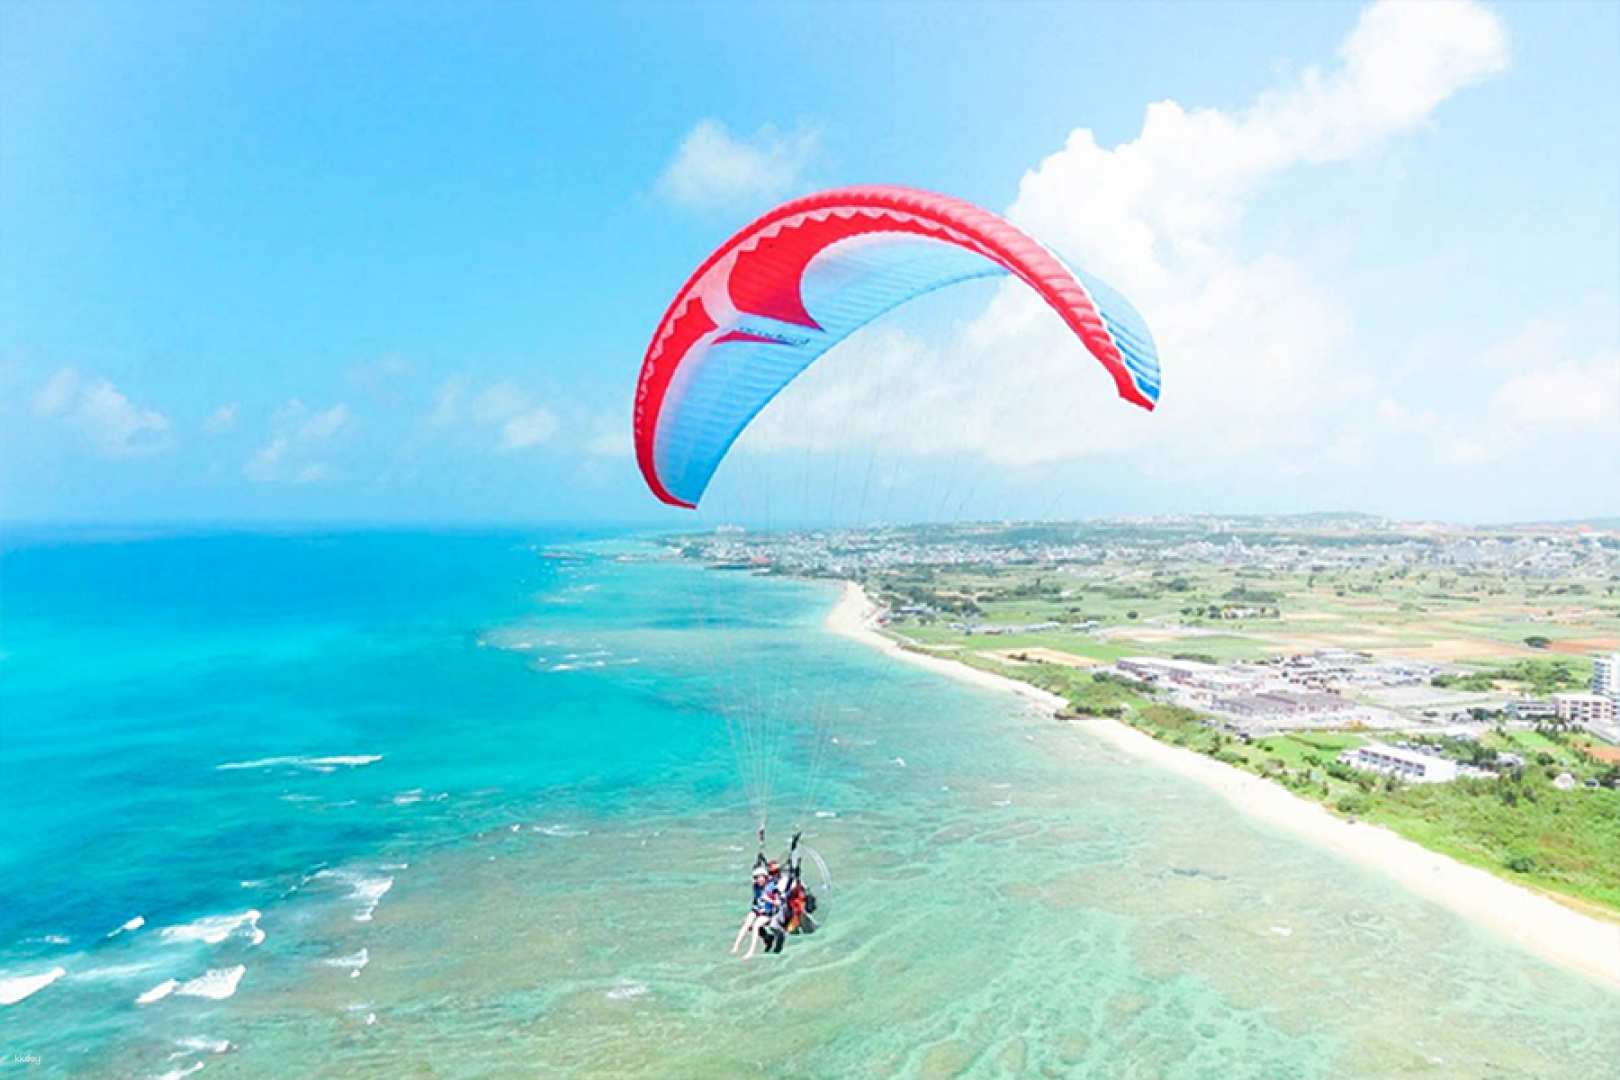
759, 871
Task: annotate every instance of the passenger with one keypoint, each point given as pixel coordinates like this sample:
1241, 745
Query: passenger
766, 902
767, 911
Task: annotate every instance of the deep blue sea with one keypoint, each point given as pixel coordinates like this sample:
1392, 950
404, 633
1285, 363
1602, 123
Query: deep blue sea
383, 803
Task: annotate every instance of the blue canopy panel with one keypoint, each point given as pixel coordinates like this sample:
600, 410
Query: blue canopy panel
737, 368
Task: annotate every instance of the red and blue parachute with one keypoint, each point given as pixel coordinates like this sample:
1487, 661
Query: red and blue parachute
809, 273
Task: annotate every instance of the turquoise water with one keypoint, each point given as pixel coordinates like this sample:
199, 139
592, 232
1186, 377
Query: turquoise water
447, 805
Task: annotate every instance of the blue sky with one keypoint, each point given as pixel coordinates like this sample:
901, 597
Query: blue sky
400, 262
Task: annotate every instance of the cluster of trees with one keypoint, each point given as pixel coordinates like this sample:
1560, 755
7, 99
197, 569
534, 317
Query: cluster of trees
1542, 677
1232, 611
1036, 588
1246, 595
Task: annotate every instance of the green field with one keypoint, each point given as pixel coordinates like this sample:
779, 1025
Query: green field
1480, 621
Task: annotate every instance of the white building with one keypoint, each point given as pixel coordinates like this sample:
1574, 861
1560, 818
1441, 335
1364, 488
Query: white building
1606, 675
1584, 708
1530, 709
1411, 765
1153, 669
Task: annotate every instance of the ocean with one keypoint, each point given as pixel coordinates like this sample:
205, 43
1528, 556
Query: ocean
465, 804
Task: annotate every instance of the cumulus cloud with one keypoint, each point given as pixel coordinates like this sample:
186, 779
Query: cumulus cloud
1260, 353
57, 393
528, 428
714, 168
103, 415
1543, 394
610, 438
221, 420
502, 408
299, 437
1570, 395
447, 402
385, 378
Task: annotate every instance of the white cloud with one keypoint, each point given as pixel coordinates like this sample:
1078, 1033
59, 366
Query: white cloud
610, 438
528, 428
263, 466
221, 420
1568, 395
298, 437
104, 416
1547, 397
498, 402
447, 402
504, 407
117, 426
323, 425
1450, 440
1153, 210
57, 393
1260, 353
384, 378
714, 168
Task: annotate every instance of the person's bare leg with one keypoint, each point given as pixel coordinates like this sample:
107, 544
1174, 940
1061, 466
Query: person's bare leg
753, 943
747, 925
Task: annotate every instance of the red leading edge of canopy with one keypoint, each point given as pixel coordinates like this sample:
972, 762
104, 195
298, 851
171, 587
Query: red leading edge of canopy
765, 281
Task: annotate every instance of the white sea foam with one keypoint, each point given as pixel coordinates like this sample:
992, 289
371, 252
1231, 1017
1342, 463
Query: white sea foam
900, 761
628, 990
213, 929
14, 988
181, 1074
826, 813
158, 992
200, 1044
364, 1006
56, 939
318, 764
113, 972
216, 984
129, 927
559, 830
368, 890
1282, 931
354, 962
406, 798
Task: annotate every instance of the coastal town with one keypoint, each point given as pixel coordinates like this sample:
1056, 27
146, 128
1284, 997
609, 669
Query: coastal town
1370, 665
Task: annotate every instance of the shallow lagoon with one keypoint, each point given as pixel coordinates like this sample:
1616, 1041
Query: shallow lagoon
489, 817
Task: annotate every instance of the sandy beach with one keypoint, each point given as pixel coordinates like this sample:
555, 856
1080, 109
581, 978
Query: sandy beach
1532, 921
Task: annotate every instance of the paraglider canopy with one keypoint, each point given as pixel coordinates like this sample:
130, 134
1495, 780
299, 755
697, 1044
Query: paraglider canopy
797, 281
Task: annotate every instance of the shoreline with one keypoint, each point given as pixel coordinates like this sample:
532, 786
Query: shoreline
1534, 922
